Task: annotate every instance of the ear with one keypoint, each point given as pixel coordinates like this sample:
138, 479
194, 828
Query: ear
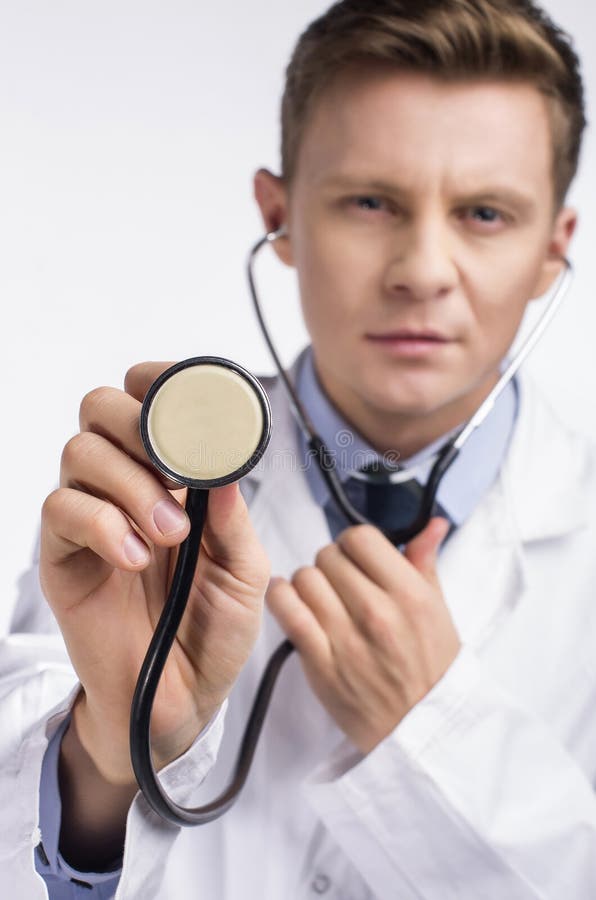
563, 229
271, 194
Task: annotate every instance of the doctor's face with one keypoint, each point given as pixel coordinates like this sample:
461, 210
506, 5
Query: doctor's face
421, 220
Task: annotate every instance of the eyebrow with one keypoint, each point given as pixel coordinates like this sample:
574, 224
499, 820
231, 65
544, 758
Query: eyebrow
475, 194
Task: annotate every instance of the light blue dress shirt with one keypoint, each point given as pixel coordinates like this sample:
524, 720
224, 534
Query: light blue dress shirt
465, 482
62, 881
462, 487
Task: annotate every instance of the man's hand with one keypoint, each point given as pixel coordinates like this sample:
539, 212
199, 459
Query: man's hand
371, 627
109, 540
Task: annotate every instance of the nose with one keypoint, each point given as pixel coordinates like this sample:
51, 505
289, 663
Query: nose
422, 265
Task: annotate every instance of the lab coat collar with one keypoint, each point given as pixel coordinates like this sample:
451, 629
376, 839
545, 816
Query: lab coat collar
545, 472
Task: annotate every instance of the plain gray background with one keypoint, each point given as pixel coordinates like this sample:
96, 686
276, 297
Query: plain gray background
129, 135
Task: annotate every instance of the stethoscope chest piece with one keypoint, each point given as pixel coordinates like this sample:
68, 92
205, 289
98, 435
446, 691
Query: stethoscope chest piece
205, 422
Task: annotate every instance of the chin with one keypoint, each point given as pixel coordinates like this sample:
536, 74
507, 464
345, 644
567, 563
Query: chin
402, 407
406, 399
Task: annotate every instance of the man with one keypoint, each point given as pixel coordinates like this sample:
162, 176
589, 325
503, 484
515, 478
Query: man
435, 738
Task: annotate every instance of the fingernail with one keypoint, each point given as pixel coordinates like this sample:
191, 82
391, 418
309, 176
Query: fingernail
168, 517
135, 550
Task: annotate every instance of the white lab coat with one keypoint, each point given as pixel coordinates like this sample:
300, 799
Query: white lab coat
484, 790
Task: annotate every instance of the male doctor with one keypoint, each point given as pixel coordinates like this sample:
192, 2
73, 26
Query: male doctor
435, 735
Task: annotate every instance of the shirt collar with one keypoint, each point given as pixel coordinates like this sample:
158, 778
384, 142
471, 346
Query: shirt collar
463, 485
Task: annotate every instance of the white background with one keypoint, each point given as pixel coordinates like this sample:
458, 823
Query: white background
129, 132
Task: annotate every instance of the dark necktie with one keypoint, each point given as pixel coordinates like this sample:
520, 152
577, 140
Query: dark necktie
388, 506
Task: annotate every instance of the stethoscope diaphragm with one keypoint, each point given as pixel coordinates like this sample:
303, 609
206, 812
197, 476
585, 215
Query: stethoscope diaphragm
205, 422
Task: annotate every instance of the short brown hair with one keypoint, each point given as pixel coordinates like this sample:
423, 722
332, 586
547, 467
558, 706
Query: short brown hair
458, 40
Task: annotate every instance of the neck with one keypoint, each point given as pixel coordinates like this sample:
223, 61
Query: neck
406, 433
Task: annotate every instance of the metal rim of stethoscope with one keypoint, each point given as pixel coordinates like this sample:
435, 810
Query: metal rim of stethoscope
238, 473
446, 455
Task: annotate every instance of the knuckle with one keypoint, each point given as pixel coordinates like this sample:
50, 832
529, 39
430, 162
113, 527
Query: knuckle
368, 533
299, 627
136, 376
78, 447
356, 537
142, 373
132, 375
135, 481
324, 555
93, 405
380, 627
52, 506
303, 577
105, 520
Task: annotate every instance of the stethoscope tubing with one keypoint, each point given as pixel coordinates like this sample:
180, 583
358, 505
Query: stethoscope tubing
150, 675
196, 506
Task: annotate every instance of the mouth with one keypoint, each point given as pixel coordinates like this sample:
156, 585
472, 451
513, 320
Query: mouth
410, 343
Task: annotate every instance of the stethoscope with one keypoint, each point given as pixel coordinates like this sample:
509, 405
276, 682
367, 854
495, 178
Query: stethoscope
206, 422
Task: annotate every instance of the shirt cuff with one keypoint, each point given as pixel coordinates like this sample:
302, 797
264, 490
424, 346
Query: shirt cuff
178, 779
182, 777
48, 859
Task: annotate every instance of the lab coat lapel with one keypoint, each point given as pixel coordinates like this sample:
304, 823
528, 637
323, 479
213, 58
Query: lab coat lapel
488, 564
546, 472
283, 511
482, 575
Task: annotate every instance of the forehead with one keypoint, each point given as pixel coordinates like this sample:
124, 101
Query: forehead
388, 125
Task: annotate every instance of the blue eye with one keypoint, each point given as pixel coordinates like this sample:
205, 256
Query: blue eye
485, 214
374, 204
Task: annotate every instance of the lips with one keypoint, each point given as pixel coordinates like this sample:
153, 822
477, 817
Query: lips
409, 341
408, 334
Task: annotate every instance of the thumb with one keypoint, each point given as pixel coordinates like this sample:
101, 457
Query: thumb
229, 537
423, 550
226, 523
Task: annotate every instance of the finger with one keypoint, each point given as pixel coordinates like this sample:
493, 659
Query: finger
139, 378
375, 556
72, 521
94, 465
115, 415
230, 539
423, 550
359, 595
298, 622
315, 590
227, 520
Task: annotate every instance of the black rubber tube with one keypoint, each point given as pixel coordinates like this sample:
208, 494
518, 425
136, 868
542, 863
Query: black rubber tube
151, 671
